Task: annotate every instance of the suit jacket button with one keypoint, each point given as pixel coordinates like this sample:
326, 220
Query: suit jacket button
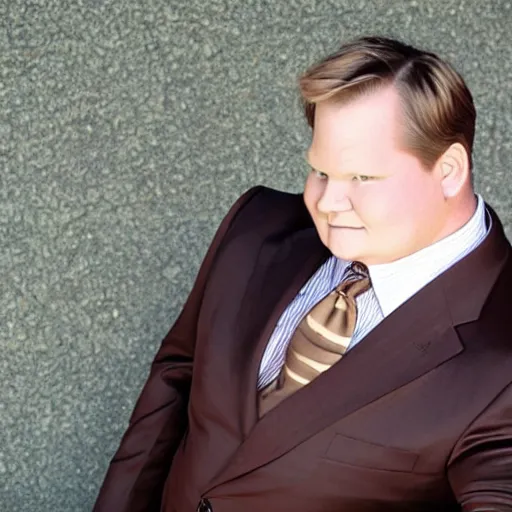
204, 506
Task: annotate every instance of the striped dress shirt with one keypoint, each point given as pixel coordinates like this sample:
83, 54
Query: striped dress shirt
392, 284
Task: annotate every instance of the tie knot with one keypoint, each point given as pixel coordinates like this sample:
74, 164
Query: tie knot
356, 281
359, 269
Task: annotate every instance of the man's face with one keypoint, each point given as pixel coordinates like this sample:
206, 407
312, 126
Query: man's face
370, 200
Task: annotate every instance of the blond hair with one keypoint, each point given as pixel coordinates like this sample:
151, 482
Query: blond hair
436, 105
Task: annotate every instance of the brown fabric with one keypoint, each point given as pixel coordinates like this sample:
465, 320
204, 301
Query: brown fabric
320, 340
417, 417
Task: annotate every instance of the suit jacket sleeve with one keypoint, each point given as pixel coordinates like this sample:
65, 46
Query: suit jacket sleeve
480, 469
137, 472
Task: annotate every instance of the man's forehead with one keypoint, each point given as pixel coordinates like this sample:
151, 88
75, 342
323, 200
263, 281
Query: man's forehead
378, 109
348, 144
371, 122
347, 160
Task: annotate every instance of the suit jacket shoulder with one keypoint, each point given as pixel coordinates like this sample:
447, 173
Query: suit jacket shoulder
271, 213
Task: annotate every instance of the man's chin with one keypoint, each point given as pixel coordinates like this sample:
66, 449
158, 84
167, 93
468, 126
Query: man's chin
344, 253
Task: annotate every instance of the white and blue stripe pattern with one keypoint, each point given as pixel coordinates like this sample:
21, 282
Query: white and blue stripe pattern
392, 284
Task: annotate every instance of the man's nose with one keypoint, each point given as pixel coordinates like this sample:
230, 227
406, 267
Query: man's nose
335, 197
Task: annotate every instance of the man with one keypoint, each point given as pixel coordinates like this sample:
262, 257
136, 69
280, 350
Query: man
351, 349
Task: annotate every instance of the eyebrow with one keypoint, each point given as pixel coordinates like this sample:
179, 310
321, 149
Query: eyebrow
373, 175
316, 169
309, 163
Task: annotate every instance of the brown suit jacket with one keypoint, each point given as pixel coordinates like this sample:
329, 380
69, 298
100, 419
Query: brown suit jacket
416, 417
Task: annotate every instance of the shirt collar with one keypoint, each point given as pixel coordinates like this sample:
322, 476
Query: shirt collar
414, 271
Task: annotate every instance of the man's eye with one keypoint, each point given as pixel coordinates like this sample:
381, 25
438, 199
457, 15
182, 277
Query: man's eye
319, 174
362, 178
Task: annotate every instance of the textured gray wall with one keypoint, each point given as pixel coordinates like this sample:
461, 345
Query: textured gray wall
127, 129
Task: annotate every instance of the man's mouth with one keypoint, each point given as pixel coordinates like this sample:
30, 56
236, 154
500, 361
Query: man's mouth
345, 227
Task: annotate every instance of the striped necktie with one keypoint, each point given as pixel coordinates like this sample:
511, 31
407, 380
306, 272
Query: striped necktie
320, 340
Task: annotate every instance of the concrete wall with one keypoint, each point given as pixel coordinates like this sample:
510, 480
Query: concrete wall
127, 129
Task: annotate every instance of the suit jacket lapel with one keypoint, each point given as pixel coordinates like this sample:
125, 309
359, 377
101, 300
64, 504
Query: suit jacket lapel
416, 338
411, 341
282, 270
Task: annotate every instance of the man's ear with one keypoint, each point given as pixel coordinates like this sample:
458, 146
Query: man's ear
453, 169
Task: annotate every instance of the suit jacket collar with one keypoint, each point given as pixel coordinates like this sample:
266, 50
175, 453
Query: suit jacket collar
412, 340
